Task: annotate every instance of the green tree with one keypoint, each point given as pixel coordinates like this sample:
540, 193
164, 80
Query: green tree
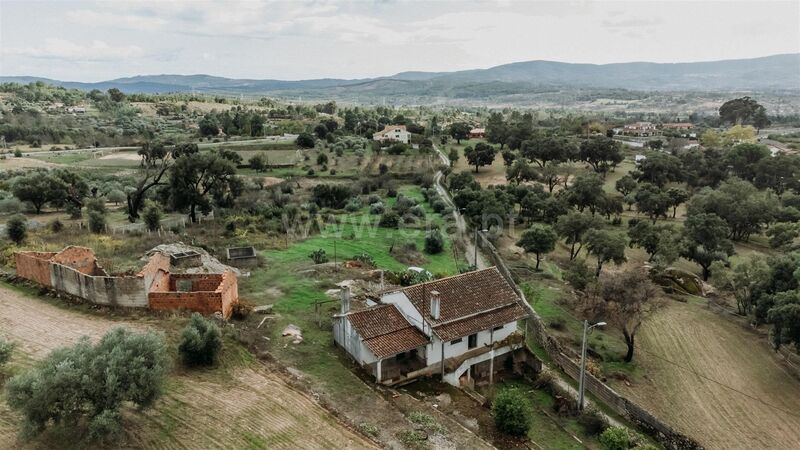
481, 155
305, 140
653, 201
601, 152
659, 169
741, 279
605, 246
706, 241
520, 171
573, 228
782, 234
741, 111
677, 196
744, 208
156, 161
434, 242
626, 185
453, 156
196, 176
116, 95
17, 229
586, 192
90, 381
39, 188
743, 159
512, 412
201, 341
539, 239
96, 211
459, 131
496, 129
152, 216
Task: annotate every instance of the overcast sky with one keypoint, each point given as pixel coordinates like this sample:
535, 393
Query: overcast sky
93, 41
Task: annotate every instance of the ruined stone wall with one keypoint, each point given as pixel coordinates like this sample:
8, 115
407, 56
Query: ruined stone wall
229, 289
34, 266
209, 293
205, 303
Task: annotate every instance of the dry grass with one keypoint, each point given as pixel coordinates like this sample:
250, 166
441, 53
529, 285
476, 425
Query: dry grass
752, 401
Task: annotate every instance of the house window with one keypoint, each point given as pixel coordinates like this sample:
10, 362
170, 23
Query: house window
472, 341
455, 341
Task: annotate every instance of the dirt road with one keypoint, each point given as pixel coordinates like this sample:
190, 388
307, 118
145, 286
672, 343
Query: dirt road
715, 381
248, 408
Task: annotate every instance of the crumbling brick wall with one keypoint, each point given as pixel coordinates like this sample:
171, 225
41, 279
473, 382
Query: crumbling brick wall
81, 259
208, 294
158, 262
34, 266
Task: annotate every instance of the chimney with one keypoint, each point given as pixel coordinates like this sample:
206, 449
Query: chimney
345, 296
435, 305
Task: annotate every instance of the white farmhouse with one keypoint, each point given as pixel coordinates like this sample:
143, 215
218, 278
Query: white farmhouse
392, 133
461, 328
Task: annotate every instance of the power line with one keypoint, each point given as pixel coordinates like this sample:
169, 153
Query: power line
785, 411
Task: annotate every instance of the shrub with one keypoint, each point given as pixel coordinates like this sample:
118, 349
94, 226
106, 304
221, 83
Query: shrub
389, 219
97, 221
305, 140
73, 210
391, 192
200, 342
417, 211
376, 208
10, 205
17, 229
365, 258
372, 199
91, 381
152, 216
592, 423
56, 226
434, 242
618, 438
17, 153
512, 413
578, 274
397, 149
322, 159
6, 348
383, 169
438, 206
353, 205
319, 256
116, 196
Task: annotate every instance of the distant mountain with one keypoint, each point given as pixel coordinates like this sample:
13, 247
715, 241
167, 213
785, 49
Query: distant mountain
771, 73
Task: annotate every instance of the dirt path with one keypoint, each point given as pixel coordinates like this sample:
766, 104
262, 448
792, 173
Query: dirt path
249, 408
723, 386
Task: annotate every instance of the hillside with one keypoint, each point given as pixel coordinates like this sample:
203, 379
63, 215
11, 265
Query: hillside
778, 72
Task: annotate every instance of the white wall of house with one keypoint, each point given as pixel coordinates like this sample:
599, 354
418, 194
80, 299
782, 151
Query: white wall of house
461, 346
346, 336
405, 306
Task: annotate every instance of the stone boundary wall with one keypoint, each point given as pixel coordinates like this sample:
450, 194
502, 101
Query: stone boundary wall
665, 434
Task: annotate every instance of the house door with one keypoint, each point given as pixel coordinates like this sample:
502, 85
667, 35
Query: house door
472, 341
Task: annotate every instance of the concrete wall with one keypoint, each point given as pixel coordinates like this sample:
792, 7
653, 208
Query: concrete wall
102, 290
34, 266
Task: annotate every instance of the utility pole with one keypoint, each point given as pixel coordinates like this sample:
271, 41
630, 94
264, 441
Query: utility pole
581, 384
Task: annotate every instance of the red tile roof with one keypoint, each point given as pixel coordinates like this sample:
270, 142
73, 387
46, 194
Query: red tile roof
470, 302
386, 331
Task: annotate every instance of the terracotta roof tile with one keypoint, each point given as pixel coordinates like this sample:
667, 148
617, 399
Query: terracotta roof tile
386, 331
463, 295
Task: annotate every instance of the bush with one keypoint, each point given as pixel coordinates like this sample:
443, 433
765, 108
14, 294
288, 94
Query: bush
73, 210
319, 256
365, 258
322, 159
56, 226
578, 274
6, 348
17, 229
97, 221
512, 413
376, 208
10, 205
305, 140
434, 242
200, 342
438, 206
152, 216
621, 438
91, 381
17, 153
353, 205
592, 423
372, 199
389, 219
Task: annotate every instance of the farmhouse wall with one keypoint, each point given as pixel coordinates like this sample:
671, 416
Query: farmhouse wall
205, 303
34, 266
150, 271
209, 293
